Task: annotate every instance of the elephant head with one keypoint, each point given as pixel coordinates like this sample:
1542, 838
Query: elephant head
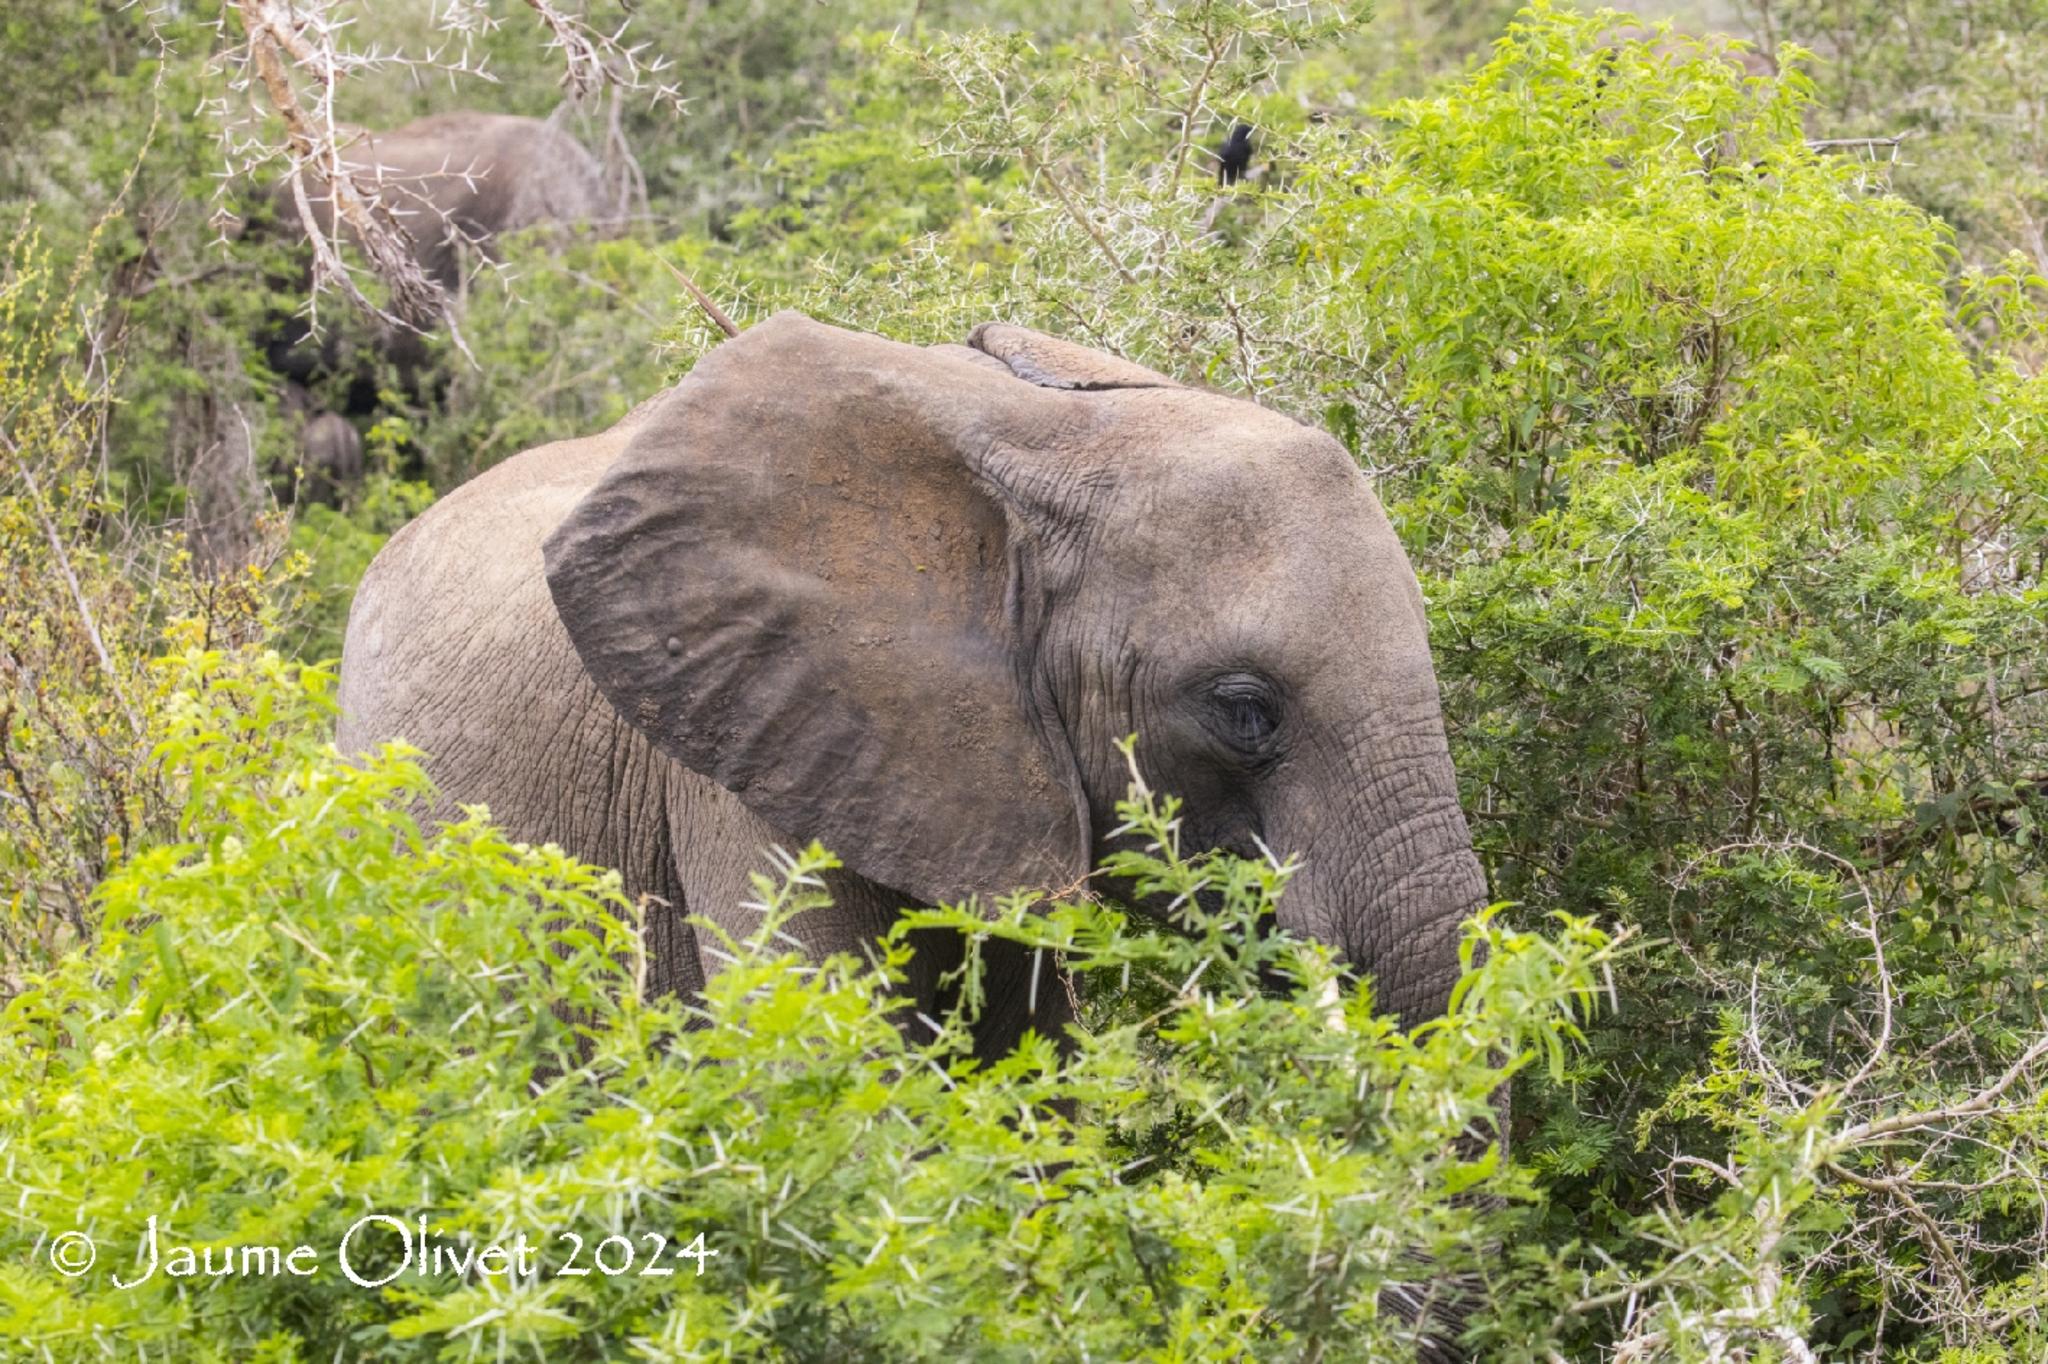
907, 600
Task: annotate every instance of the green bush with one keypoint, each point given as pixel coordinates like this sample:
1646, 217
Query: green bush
1953, 84
86, 599
308, 1008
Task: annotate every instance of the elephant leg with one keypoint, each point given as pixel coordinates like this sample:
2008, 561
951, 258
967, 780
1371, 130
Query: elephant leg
1035, 995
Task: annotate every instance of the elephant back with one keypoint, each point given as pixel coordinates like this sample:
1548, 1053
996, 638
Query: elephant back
463, 179
521, 172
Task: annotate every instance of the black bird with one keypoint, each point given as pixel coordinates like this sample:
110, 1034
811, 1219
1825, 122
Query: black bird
1235, 156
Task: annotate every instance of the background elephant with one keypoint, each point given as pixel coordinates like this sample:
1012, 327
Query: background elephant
455, 182
905, 601
466, 177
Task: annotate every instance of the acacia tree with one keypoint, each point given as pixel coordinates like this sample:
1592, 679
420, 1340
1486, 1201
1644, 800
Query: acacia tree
299, 57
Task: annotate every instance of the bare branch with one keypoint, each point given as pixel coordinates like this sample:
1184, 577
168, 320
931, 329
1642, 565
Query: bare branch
1976, 1106
63, 561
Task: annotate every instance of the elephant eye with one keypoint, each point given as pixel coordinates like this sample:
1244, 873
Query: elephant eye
1248, 709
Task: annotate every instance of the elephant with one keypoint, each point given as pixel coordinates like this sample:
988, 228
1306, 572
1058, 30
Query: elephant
466, 177
330, 452
905, 601
456, 182
330, 458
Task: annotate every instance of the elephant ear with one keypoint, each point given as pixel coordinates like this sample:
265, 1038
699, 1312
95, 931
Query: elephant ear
799, 580
1052, 363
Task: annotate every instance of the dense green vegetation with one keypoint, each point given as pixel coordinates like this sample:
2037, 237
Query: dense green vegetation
1722, 453
310, 1008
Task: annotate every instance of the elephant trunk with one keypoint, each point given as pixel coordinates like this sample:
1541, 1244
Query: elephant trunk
1389, 876
1410, 921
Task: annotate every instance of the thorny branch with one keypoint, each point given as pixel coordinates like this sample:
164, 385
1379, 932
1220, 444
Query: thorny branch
317, 149
594, 61
1904, 1200
295, 55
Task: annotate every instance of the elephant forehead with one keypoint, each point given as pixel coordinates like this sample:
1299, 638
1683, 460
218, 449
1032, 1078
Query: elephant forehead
1192, 452
1260, 536
1252, 488
1301, 576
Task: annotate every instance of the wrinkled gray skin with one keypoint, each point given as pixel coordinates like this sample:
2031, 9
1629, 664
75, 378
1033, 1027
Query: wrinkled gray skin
904, 601
455, 182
